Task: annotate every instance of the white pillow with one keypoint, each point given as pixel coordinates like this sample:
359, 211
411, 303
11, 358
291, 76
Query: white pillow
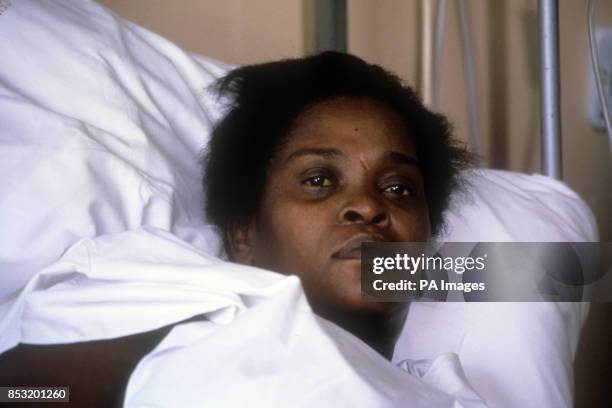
514, 354
101, 126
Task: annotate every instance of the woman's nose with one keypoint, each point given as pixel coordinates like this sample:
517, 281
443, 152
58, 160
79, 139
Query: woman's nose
364, 208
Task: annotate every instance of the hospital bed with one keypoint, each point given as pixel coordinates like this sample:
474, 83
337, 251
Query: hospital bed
102, 235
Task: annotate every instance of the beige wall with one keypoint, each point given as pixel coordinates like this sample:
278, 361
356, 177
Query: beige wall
234, 31
504, 35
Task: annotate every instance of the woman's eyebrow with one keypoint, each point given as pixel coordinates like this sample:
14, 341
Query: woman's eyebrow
328, 153
401, 158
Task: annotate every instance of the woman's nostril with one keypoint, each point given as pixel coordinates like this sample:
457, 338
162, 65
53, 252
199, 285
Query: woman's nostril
353, 216
356, 216
379, 218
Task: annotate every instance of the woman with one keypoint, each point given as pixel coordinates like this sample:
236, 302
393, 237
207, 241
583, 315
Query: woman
316, 156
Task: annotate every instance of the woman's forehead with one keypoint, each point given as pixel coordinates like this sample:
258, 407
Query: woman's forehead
349, 123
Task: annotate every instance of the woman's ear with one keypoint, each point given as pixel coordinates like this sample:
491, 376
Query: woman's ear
242, 242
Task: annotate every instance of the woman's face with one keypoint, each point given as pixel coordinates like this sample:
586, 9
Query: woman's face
348, 173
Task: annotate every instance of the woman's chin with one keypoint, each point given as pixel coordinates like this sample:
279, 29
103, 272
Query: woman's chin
343, 291
352, 302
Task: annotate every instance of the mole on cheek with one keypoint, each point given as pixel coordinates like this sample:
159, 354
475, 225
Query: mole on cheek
356, 129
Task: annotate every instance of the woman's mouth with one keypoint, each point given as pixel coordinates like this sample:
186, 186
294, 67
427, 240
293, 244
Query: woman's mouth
351, 249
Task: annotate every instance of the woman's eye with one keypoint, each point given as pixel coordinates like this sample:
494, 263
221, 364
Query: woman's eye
318, 181
399, 190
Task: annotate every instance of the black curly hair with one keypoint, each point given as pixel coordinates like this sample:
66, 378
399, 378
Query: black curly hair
264, 101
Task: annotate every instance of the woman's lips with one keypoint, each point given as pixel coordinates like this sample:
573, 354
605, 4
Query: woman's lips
351, 249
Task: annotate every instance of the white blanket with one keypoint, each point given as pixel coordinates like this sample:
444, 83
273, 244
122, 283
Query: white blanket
259, 345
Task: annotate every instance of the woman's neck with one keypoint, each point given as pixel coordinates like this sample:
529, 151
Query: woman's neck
377, 329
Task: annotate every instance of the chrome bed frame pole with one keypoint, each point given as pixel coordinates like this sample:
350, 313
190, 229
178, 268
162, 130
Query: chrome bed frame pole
550, 115
330, 25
